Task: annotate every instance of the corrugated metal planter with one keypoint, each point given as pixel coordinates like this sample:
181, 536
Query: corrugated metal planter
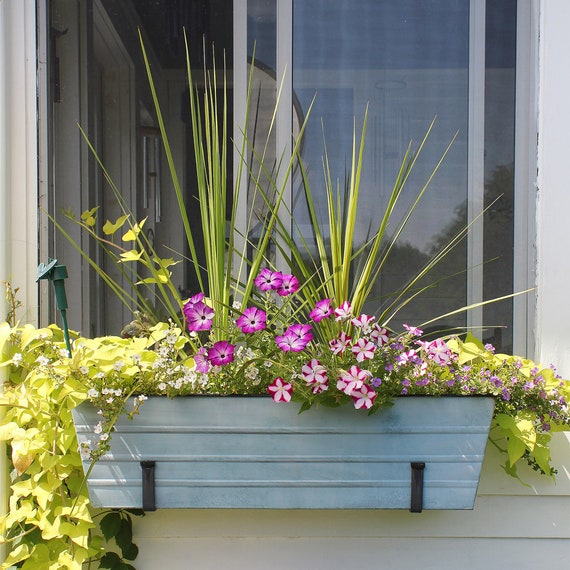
248, 452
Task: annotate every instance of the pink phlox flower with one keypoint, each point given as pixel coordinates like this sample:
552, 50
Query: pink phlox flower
379, 335
289, 285
198, 316
295, 338
438, 351
364, 397
363, 322
322, 310
340, 344
363, 349
201, 361
314, 372
280, 390
252, 320
222, 352
344, 312
268, 280
414, 331
352, 379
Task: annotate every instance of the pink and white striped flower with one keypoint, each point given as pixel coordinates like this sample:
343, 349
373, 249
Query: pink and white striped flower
364, 397
314, 372
352, 379
363, 349
379, 335
344, 312
280, 390
363, 322
438, 351
340, 344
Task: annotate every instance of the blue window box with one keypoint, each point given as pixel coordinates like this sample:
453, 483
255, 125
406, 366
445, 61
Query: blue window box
248, 452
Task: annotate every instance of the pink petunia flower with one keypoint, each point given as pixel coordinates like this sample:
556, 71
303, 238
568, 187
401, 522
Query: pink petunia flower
289, 285
363, 322
322, 310
222, 352
364, 397
198, 316
379, 335
414, 331
438, 351
314, 372
344, 312
340, 344
352, 379
280, 390
201, 360
363, 349
268, 280
252, 320
295, 338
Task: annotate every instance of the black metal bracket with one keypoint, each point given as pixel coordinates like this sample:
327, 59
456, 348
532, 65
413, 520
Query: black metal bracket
148, 487
416, 502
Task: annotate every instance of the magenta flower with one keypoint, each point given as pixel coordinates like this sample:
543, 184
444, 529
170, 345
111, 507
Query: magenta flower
198, 316
252, 320
314, 372
198, 298
352, 380
340, 344
364, 397
289, 285
201, 360
280, 390
363, 349
221, 353
268, 280
344, 312
414, 331
321, 311
295, 338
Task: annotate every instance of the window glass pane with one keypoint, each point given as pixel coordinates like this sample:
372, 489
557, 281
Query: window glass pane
500, 60
409, 61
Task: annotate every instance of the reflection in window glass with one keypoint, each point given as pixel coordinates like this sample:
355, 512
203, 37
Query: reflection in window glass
409, 61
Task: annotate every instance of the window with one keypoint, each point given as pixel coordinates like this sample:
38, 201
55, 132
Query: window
409, 61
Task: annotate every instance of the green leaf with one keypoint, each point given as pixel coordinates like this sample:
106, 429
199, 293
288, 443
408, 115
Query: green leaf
130, 552
124, 535
110, 228
110, 524
110, 560
89, 217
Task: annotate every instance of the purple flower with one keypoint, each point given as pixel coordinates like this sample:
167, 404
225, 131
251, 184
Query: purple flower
268, 280
289, 285
198, 316
295, 338
321, 311
252, 320
221, 353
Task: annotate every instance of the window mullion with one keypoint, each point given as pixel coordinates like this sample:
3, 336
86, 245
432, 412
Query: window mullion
476, 170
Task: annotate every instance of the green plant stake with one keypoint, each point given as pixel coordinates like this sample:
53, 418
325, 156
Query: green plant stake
56, 274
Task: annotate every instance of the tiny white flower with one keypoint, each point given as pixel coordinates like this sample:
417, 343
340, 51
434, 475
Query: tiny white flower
17, 358
171, 338
136, 358
100, 375
92, 393
118, 366
98, 428
104, 437
142, 398
63, 353
110, 400
84, 370
162, 386
99, 412
42, 360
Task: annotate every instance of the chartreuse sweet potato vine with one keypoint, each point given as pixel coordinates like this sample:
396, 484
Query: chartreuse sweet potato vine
50, 525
